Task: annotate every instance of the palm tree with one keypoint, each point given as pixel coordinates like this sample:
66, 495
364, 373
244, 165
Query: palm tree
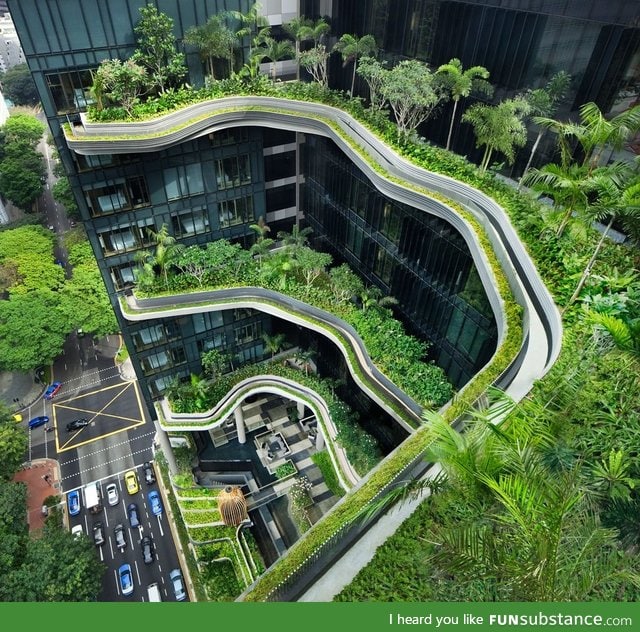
297, 238
618, 197
568, 186
594, 132
274, 51
371, 297
544, 102
273, 342
462, 83
304, 357
214, 39
297, 29
351, 48
538, 539
498, 127
166, 251
254, 25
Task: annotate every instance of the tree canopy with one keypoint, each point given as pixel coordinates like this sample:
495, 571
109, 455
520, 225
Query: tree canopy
18, 85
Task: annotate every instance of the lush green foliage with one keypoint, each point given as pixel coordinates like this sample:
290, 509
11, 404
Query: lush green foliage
22, 169
300, 272
13, 444
323, 461
19, 86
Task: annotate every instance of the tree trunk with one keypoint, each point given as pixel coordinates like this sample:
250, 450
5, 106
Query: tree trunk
533, 151
486, 158
564, 222
590, 264
211, 67
453, 116
353, 78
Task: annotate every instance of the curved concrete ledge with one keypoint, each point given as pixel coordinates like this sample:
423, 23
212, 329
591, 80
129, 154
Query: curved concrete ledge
259, 384
542, 337
368, 377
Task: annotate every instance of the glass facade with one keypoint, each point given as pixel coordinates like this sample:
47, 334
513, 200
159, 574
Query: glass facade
417, 258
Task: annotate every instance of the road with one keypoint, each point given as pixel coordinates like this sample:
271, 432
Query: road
165, 556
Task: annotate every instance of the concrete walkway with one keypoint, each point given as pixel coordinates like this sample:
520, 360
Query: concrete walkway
42, 479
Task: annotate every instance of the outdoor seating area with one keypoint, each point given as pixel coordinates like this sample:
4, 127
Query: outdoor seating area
272, 449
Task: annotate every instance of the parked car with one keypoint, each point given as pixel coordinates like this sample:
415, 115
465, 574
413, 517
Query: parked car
38, 421
76, 424
134, 515
120, 537
175, 576
77, 531
112, 494
52, 390
155, 502
146, 545
126, 579
149, 474
73, 502
131, 481
98, 534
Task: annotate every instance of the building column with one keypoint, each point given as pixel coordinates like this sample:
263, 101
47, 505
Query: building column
237, 413
165, 446
300, 406
319, 441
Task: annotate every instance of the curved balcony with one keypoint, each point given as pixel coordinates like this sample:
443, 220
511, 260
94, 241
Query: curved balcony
542, 334
384, 392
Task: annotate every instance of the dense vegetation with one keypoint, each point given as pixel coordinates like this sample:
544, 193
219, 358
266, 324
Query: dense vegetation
35, 288
37, 567
302, 273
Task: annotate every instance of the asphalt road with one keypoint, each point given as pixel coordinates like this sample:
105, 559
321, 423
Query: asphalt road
165, 557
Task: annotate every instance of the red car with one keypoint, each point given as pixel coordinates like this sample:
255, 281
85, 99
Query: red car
52, 389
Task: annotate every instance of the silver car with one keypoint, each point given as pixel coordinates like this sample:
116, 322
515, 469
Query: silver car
112, 494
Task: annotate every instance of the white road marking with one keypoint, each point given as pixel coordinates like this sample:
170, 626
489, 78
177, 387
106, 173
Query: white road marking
115, 573
111, 547
137, 572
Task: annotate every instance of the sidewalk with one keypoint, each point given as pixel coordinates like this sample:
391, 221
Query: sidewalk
20, 386
39, 488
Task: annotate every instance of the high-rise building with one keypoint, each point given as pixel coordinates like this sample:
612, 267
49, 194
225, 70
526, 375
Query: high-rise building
219, 181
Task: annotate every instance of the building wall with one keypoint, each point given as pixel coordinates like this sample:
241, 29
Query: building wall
414, 257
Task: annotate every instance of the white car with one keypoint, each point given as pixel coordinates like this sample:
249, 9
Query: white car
77, 531
112, 494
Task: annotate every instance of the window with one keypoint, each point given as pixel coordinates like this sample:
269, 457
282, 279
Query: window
122, 276
117, 195
183, 181
125, 238
233, 171
279, 166
280, 198
190, 223
162, 360
229, 136
149, 337
237, 211
70, 90
248, 333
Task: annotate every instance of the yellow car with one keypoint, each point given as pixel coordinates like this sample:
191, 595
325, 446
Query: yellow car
131, 481
17, 418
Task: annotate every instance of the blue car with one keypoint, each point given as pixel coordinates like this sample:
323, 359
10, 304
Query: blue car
126, 579
73, 501
155, 502
52, 389
38, 421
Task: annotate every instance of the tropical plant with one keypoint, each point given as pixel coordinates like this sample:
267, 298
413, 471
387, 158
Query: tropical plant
625, 333
297, 238
412, 92
165, 254
122, 81
461, 83
214, 363
351, 48
156, 49
254, 25
544, 102
273, 342
214, 40
617, 189
374, 73
371, 297
274, 51
498, 127
569, 186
